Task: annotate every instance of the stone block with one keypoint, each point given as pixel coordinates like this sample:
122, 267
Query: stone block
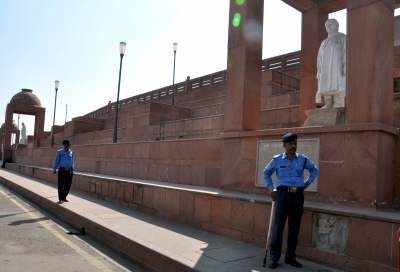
198, 175
221, 211
144, 170
153, 171
202, 208
325, 117
148, 196
160, 199
128, 192
185, 174
144, 150
332, 145
261, 218
267, 117
330, 233
213, 177
162, 173
120, 190
360, 172
153, 150
172, 202
242, 214
138, 190
369, 240
282, 116
173, 173
331, 180
186, 204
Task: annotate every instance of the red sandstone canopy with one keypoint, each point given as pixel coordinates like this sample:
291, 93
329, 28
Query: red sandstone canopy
26, 97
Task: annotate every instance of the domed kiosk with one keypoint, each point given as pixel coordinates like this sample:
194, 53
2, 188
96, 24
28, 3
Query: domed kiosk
26, 97
24, 102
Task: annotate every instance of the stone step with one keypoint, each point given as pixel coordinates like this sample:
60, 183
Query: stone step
152, 242
245, 217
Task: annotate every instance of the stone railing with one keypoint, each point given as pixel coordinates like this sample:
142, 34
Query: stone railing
189, 85
279, 63
282, 63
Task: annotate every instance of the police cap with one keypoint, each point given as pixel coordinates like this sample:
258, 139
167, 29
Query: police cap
290, 137
66, 141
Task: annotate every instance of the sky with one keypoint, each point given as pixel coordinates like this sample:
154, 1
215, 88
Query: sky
77, 43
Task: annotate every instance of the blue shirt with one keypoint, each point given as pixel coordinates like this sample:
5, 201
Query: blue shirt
289, 172
64, 159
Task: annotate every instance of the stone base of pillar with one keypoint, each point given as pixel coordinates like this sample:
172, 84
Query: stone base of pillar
325, 117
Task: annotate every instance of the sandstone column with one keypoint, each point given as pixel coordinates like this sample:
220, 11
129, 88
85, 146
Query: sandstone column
243, 92
369, 155
312, 34
7, 132
244, 66
370, 40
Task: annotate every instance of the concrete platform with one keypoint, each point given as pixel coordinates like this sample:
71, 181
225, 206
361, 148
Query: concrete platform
152, 242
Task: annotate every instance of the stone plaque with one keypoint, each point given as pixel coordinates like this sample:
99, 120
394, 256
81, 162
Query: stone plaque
325, 117
267, 149
330, 233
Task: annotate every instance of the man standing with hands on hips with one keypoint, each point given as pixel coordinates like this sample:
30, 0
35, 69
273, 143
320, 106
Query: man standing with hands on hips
289, 167
65, 161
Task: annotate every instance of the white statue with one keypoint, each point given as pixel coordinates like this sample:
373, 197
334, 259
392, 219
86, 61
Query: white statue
23, 134
331, 64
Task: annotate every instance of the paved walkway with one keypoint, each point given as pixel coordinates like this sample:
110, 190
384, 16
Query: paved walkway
156, 243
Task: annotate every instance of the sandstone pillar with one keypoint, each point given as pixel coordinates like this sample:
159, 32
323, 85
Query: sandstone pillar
312, 34
39, 124
370, 40
369, 99
244, 66
8, 127
243, 92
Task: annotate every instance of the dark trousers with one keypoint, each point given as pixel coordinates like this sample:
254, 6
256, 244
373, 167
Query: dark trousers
288, 205
64, 183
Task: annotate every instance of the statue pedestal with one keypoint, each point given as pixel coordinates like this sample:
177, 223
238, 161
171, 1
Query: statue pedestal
22, 146
325, 117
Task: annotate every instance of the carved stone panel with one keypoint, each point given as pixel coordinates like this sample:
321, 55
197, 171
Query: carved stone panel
267, 149
330, 233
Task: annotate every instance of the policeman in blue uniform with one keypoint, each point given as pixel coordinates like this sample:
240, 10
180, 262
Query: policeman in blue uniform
65, 161
288, 194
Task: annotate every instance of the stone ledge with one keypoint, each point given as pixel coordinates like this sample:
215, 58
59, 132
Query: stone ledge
312, 130
315, 205
239, 216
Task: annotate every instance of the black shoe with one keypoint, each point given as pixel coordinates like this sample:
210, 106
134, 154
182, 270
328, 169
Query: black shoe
273, 264
294, 263
66, 200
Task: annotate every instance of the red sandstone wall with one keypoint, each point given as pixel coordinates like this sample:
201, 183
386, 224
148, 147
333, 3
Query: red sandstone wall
192, 162
280, 100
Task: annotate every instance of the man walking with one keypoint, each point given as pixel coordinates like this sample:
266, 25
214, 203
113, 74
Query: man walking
65, 161
289, 167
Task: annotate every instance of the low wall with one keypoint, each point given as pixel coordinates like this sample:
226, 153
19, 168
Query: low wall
192, 162
356, 240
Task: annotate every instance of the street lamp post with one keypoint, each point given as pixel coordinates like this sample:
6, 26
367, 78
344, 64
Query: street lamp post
57, 83
175, 46
122, 47
66, 110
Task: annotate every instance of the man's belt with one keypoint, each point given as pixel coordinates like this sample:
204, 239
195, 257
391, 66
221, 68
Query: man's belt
67, 169
291, 189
